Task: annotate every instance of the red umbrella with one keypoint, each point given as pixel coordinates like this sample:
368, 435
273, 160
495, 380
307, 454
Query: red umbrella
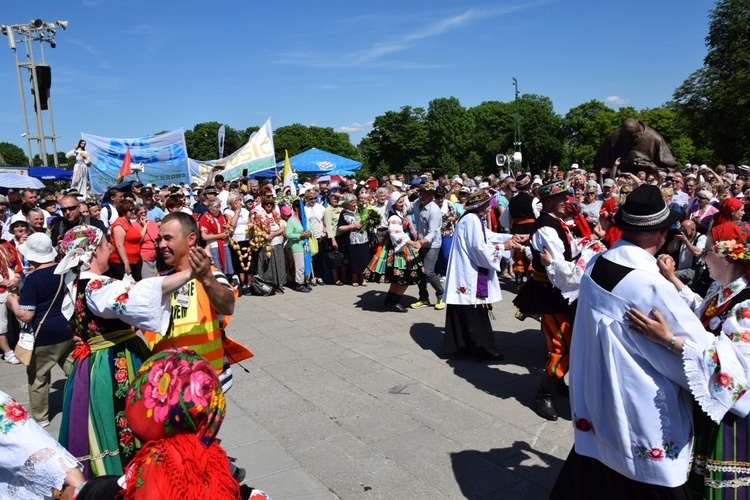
329, 178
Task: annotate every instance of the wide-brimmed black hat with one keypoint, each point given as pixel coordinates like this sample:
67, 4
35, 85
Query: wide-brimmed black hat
477, 199
523, 180
645, 210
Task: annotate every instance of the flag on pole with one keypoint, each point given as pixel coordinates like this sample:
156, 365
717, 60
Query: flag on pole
288, 180
221, 141
305, 241
125, 168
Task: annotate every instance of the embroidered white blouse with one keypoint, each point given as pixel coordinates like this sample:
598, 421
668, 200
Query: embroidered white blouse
719, 375
140, 304
32, 462
631, 408
472, 249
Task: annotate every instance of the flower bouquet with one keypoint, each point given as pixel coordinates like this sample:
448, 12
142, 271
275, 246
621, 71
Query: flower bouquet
369, 218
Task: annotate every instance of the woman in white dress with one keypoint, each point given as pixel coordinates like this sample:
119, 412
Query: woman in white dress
81, 168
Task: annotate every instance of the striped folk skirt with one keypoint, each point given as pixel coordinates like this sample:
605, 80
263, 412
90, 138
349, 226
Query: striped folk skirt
94, 427
400, 268
721, 457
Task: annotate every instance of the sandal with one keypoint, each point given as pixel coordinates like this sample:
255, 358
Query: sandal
355, 284
339, 283
363, 284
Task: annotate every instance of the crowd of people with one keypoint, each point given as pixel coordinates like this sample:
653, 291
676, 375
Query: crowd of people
637, 251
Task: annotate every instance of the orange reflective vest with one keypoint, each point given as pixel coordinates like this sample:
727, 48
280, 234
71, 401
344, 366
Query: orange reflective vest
194, 325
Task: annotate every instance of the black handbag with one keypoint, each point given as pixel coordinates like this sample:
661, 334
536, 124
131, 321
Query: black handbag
261, 287
335, 259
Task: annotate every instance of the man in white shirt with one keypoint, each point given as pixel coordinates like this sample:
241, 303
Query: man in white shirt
632, 411
223, 194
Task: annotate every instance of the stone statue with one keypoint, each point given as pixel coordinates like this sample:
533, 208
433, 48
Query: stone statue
638, 146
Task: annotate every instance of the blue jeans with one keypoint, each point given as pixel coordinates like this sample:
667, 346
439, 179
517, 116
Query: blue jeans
429, 258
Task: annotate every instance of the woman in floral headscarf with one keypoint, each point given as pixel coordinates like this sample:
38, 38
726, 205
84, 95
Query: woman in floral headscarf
101, 311
396, 258
175, 406
719, 374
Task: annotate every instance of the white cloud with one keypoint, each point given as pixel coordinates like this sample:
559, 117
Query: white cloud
377, 51
355, 127
616, 100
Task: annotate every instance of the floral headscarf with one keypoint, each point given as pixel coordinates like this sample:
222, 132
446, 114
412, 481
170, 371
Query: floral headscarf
175, 407
175, 391
78, 246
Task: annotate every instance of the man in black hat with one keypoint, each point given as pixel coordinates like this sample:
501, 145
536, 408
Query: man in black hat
550, 235
521, 209
208, 194
631, 409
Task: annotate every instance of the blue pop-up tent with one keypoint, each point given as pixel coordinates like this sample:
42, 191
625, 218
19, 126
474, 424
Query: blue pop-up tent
51, 174
318, 162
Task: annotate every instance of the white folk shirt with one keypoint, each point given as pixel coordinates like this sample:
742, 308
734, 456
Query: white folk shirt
631, 407
470, 251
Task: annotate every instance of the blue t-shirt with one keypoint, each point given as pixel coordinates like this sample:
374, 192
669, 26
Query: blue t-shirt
156, 214
37, 293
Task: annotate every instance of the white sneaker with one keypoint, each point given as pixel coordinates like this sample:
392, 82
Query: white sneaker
10, 358
44, 423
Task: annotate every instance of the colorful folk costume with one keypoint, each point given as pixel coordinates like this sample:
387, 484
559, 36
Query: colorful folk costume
176, 407
719, 376
541, 296
94, 426
395, 261
521, 208
632, 415
471, 284
32, 463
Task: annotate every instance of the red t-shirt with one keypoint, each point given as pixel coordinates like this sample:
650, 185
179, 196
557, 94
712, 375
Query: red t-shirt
132, 242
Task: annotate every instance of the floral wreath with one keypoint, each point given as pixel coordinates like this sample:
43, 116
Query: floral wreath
732, 241
733, 250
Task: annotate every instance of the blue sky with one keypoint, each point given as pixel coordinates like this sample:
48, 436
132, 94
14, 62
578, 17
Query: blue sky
128, 68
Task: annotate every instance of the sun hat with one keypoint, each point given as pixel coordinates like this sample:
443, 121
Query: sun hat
286, 210
645, 210
247, 197
609, 183
19, 217
38, 248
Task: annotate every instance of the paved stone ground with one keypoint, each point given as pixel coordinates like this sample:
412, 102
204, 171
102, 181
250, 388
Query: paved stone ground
345, 400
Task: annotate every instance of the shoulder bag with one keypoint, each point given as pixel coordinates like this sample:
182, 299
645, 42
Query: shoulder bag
25, 346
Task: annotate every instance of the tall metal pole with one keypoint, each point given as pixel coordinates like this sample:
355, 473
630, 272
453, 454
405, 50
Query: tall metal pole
23, 104
517, 131
35, 31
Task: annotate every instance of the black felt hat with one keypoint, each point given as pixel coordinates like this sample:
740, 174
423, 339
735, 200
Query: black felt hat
645, 210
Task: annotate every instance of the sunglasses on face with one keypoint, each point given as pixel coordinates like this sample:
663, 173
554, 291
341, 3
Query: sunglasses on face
68, 209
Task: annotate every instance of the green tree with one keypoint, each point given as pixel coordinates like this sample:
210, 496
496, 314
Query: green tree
398, 139
541, 132
494, 124
450, 130
585, 127
715, 99
203, 141
298, 138
13, 155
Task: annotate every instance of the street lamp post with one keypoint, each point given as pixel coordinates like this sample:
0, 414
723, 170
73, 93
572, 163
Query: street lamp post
35, 31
